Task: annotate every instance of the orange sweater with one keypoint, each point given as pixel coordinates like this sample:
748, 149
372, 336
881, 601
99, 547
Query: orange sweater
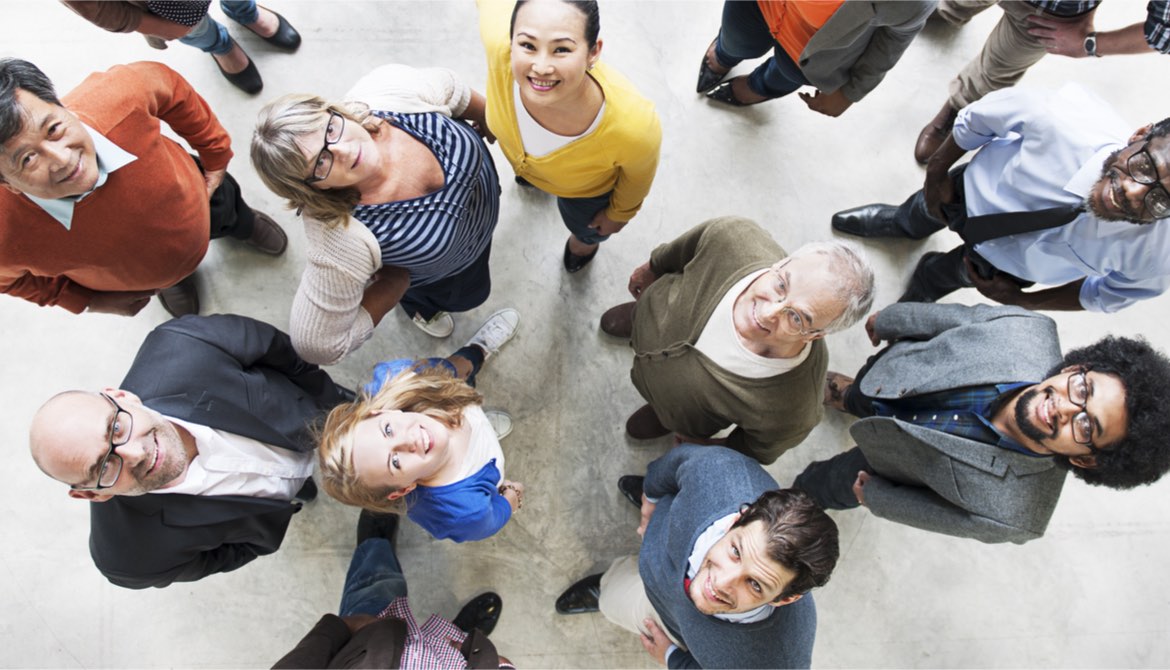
794, 22
148, 226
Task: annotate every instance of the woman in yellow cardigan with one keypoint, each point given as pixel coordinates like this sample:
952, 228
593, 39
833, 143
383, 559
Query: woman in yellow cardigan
569, 124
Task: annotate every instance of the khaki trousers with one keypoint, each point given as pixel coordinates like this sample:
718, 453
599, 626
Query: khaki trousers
623, 598
1007, 54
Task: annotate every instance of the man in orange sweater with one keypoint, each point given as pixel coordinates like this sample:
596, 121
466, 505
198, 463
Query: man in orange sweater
98, 210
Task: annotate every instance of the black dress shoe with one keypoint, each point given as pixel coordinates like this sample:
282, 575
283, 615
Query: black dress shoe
631, 488
372, 525
482, 612
286, 37
868, 221
581, 597
708, 78
308, 492
247, 80
573, 262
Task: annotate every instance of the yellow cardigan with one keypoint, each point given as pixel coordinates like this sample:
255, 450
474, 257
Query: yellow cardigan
620, 155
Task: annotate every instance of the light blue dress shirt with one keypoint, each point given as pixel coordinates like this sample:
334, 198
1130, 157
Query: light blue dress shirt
1041, 149
110, 157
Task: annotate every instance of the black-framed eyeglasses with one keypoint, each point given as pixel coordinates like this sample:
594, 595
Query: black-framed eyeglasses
110, 467
1141, 168
324, 162
792, 318
1082, 423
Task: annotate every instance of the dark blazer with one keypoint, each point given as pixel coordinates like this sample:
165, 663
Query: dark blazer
376, 645
231, 373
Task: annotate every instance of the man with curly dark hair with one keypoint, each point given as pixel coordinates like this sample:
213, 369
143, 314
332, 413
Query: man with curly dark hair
972, 420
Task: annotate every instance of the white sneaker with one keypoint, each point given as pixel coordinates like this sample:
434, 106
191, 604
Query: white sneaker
498, 329
501, 422
440, 325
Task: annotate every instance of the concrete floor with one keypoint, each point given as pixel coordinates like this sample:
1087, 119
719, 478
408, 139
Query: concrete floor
1090, 594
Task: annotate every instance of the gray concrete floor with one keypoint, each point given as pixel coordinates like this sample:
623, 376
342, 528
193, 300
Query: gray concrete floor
1092, 593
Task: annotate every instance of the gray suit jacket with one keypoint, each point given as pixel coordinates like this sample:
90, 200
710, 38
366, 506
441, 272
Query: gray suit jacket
939, 482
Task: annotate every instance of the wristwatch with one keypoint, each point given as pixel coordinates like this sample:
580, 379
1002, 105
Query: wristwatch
1091, 45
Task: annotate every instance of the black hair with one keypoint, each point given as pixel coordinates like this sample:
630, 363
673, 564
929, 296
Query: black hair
1159, 129
587, 7
801, 537
1143, 455
23, 75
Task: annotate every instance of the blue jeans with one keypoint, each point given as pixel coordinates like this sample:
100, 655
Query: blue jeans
578, 213
374, 579
210, 36
744, 34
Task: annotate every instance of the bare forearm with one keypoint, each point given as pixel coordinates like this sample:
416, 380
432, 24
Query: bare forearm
390, 284
1128, 40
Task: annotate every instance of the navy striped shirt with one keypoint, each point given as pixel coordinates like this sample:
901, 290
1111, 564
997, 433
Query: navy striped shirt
442, 233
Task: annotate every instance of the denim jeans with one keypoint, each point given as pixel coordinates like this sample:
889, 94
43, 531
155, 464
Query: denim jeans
578, 213
744, 34
210, 36
467, 289
374, 579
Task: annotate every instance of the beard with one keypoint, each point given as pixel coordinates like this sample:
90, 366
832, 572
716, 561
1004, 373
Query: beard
173, 454
1024, 417
1112, 179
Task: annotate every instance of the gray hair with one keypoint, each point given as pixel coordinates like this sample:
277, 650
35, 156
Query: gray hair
852, 269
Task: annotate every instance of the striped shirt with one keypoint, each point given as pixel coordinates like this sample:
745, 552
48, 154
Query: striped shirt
442, 233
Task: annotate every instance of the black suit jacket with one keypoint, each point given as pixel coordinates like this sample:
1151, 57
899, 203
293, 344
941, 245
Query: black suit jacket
231, 373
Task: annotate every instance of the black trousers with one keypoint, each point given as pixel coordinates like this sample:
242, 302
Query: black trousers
230, 215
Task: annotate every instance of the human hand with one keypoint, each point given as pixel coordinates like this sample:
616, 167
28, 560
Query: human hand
859, 486
829, 104
871, 329
605, 225
938, 190
654, 641
122, 303
999, 288
1066, 38
357, 622
213, 178
513, 492
640, 279
647, 512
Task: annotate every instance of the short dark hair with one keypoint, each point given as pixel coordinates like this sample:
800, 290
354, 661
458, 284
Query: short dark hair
1159, 129
20, 74
1143, 455
587, 7
801, 537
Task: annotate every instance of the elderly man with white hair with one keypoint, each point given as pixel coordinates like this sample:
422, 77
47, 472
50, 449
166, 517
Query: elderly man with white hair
727, 331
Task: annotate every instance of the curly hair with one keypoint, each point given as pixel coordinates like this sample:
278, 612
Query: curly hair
801, 537
1143, 455
422, 388
282, 167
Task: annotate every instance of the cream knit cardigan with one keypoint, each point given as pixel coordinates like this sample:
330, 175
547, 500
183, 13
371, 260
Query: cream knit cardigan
327, 320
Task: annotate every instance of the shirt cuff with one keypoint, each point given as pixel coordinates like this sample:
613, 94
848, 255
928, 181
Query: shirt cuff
669, 650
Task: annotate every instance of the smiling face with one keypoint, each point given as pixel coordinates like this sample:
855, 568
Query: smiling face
737, 575
1041, 416
550, 52
1117, 196
70, 436
397, 450
795, 294
357, 159
52, 157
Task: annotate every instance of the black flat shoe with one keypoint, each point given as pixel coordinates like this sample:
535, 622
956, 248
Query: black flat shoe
875, 220
708, 78
482, 612
286, 37
581, 597
725, 94
573, 262
372, 525
247, 80
631, 488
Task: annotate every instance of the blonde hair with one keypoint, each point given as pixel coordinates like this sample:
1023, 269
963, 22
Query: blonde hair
423, 388
282, 167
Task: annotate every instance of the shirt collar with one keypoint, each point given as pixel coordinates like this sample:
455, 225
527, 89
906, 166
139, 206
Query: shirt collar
1090, 172
110, 157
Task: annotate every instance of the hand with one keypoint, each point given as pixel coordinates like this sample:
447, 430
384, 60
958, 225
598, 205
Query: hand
213, 178
605, 225
871, 329
357, 622
122, 303
859, 486
640, 279
513, 492
647, 512
829, 104
654, 641
938, 190
999, 288
1066, 38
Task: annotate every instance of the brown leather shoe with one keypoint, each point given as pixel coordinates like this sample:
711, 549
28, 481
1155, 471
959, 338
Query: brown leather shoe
935, 133
645, 425
267, 236
619, 321
180, 299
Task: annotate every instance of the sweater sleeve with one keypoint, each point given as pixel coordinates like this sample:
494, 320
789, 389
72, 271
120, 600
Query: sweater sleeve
116, 17
46, 291
672, 257
409, 90
328, 320
170, 98
640, 145
902, 21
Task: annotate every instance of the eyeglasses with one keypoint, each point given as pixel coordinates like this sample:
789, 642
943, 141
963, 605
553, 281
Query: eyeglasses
792, 319
324, 162
1082, 423
110, 467
1141, 168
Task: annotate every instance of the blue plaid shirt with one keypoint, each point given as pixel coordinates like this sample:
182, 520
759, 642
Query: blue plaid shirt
962, 412
1156, 28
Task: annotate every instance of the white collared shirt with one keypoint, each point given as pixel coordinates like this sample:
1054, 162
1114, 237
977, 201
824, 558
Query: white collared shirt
110, 157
